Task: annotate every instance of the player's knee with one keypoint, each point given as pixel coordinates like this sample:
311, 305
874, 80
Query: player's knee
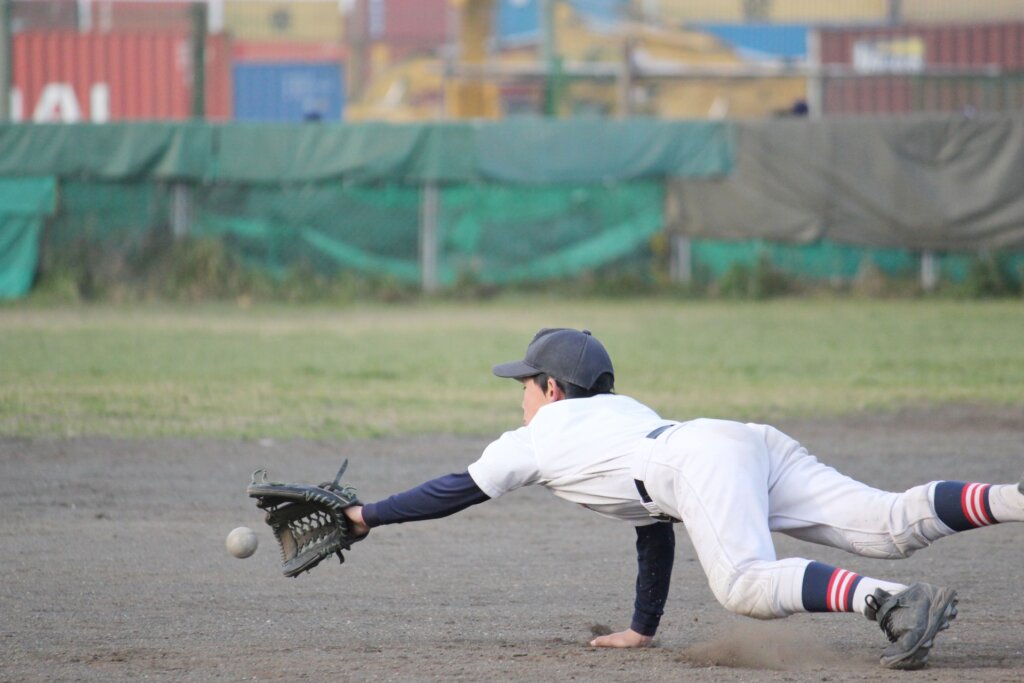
883, 551
892, 543
744, 606
901, 552
745, 597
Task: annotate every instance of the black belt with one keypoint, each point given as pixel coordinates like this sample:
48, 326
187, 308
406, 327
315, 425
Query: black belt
642, 490
646, 497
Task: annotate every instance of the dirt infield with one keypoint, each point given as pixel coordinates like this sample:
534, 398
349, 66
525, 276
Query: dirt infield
115, 569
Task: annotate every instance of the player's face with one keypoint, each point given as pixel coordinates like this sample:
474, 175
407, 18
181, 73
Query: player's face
534, 397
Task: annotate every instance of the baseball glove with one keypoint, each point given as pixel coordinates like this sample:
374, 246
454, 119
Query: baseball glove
308, 521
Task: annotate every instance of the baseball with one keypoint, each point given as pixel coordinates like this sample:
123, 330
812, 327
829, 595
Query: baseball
242, 542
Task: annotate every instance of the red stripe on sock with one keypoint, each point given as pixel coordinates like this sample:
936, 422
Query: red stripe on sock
972, 500
845, 597
839, 590
830, 600
965, 504
980, 504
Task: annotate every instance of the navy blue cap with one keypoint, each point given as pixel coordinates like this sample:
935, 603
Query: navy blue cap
573, 356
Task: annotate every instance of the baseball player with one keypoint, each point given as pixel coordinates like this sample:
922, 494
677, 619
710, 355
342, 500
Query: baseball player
730, 484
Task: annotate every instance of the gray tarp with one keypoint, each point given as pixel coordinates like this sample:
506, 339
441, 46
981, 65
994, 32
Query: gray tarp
918, 182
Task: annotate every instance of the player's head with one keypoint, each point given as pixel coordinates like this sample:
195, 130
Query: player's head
560, 363
575, 359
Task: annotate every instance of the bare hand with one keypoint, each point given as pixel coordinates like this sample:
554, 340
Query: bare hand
627, 638
355, 515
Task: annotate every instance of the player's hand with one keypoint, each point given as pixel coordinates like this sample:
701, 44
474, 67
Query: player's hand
355, 515
627, 638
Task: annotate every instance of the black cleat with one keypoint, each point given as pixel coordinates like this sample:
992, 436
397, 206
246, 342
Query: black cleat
910, 620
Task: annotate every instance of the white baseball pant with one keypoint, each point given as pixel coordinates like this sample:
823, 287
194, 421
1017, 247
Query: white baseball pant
732, 484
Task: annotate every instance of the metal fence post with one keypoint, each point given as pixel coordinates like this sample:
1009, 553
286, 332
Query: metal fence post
680, 268
929, 271
429, 205
816, 79
181, 210
199, 28
5, 60
624, 82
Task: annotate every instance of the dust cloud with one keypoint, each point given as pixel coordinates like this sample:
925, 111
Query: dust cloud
757, 645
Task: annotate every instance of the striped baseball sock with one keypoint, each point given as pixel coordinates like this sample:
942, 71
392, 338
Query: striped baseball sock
830, 589
962, 506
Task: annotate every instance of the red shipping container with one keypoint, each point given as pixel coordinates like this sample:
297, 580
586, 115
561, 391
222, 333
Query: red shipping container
278, 51
124, 15
395, 30
869, 95
65, 76
907, 94
415, 21
912, 68
423, 23
975, 45
44, 16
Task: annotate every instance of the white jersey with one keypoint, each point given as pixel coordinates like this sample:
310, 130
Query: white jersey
582, 449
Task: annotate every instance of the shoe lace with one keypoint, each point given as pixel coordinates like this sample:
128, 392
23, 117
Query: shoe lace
884, 620
886, 624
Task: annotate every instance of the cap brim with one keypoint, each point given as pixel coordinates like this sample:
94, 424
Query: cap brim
517, 369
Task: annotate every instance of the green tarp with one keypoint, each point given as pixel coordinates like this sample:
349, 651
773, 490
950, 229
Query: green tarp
595, 150
356, 153
24, 202
533, 152
519, 200
107, 152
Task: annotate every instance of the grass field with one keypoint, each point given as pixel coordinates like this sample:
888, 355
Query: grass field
318, 372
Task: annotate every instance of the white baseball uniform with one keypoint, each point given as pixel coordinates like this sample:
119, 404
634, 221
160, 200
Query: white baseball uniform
731, 484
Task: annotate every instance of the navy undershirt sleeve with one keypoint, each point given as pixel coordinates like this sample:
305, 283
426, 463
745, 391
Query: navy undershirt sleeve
655, 553
436, 498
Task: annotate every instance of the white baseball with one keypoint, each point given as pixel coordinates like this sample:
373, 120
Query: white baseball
242, 542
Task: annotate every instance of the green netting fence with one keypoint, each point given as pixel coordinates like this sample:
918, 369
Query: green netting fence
501, 204
495, 234
827, 261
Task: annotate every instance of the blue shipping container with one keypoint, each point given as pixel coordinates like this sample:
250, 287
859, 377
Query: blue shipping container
757, 42
289, 92
519, 20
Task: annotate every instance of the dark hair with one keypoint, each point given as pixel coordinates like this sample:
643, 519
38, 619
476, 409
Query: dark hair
605, 384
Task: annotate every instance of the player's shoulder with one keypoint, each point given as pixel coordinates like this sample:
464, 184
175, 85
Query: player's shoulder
601, 408
513, 438
619, 403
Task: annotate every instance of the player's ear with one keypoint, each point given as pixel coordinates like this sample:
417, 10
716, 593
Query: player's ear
554, 392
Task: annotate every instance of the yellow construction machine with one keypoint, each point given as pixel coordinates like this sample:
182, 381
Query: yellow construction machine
578, 67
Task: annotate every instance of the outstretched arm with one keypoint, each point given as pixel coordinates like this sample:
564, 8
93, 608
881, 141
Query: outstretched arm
655, 554
433, 499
